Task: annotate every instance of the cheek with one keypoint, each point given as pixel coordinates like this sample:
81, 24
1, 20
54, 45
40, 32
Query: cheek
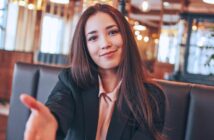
90, 48
121, 45
92, 51
119, 41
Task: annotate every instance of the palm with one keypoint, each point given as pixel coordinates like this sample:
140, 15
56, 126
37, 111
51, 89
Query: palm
41, 123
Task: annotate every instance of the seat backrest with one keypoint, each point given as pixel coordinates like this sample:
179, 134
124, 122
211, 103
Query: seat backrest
34, 80
176, 109
189, 112
200, 122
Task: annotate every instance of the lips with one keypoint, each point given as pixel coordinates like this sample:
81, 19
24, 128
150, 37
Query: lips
108, 53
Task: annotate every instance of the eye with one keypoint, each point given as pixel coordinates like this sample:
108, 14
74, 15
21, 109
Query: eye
92, 38
113, 32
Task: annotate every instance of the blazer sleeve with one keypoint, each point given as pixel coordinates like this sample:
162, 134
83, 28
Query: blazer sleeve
158, 111
61, 103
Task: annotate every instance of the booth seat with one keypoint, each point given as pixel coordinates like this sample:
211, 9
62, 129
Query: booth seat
189, 112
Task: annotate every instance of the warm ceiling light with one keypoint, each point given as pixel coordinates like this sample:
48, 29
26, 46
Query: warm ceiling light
146, 39
22, 3
60, 1
209, 1
166, 4
40, 4
139, 37
137, 33
30, 6
139, 27
156, 41
194, 27
145, 5
136, 23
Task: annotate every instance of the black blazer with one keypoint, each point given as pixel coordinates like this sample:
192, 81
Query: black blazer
76, 111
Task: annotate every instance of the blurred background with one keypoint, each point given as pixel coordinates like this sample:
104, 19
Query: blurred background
175, 37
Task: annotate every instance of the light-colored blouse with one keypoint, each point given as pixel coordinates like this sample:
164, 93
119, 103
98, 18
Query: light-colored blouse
106, 107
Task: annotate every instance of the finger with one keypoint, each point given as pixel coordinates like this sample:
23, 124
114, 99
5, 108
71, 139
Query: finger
33, 104
29, 102
29, 135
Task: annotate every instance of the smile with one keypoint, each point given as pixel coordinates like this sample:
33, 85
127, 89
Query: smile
108, 53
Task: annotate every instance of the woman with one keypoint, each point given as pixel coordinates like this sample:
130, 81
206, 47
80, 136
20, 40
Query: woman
105, 95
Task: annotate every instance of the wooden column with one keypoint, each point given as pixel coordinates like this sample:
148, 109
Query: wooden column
7, 61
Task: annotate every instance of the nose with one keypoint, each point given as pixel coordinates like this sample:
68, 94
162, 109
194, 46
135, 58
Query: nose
105, 42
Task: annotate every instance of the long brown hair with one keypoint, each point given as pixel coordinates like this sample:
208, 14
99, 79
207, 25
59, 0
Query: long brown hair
132, 91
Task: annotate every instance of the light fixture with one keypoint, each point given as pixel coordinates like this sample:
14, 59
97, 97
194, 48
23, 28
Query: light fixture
209, 1
139, 27
22, 2
139, 37
136, 23
166, 4
31, 4
60, 1
145, 6
194, 28
40, 4
146, 39
137, 33
156, 41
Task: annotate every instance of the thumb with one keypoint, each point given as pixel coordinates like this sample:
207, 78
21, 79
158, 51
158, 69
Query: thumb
29, 102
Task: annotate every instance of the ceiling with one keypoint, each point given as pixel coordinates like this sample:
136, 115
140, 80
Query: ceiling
166, 11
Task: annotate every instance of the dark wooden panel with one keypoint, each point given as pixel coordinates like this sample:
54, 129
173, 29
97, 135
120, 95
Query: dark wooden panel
3, 126
7, 61
162, 69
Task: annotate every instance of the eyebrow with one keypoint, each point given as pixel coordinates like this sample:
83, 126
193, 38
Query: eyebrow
108, 27
111, 26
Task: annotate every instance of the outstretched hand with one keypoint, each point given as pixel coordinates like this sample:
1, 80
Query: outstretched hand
41, 124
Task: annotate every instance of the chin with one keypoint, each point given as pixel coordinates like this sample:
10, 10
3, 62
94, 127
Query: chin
108, 67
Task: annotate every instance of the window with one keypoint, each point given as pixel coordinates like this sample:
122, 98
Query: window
201, 47
168, 44
3, 16
52, 34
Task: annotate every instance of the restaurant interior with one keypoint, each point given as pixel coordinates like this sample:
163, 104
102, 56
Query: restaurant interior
175, 38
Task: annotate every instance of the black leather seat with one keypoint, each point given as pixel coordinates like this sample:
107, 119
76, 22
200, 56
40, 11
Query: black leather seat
200, 121
35, 80
189, 115
177, 108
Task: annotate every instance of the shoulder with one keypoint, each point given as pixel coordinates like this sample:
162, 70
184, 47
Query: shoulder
65, 73
66, 79
155, 91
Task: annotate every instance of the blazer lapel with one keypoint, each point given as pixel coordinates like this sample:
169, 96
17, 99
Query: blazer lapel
91, 111
117, 124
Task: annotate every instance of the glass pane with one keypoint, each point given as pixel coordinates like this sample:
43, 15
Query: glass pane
52, 34
3, 14
201, 49
168, 44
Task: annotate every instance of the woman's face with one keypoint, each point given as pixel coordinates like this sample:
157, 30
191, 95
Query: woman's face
104, 41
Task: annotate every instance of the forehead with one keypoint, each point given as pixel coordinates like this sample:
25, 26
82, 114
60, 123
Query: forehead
98, 21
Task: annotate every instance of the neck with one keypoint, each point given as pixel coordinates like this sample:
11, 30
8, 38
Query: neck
109, 80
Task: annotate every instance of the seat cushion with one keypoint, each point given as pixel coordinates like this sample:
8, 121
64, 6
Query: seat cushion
177, 94
25, 80
200, 125
47, 80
